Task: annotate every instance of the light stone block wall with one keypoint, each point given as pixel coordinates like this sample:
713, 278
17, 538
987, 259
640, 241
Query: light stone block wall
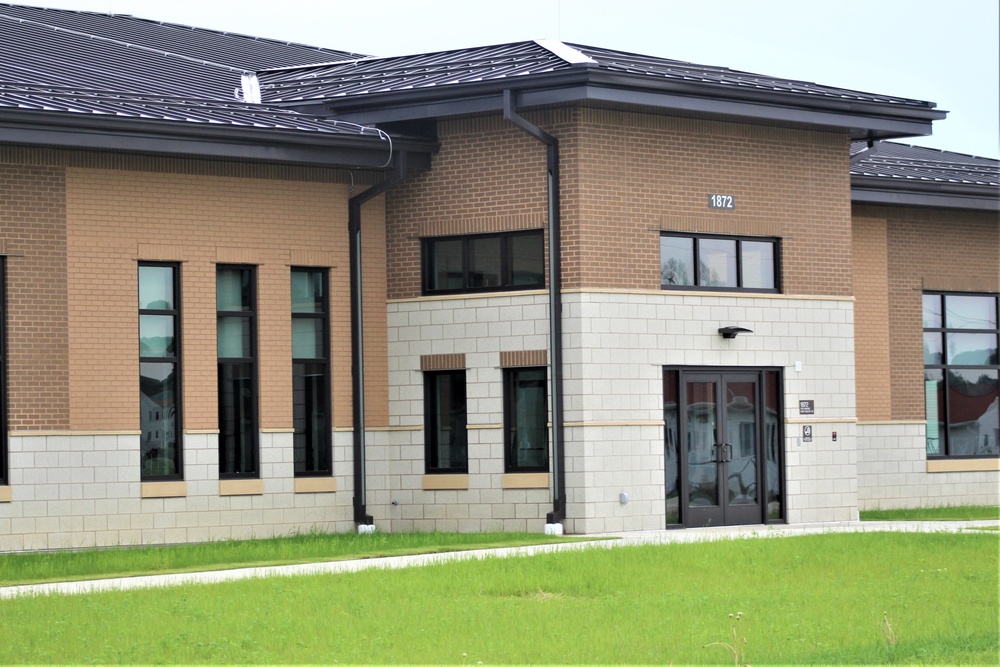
615, 347
892, 472
77, 490
480, 328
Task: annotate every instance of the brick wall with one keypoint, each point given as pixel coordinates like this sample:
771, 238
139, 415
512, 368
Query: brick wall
625, 176
929, 249
33, 234
871, 326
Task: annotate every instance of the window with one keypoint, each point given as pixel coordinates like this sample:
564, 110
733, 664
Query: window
718, 263
961, 374
159, 372
236, 303
484, 263
526, 432
3, 372
446, 439
311, 372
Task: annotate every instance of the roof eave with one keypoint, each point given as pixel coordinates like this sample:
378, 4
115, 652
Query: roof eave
224, 142
864, 120
877, 190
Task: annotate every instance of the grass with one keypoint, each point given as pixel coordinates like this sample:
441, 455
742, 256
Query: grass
871, 598
943, 513
32, 568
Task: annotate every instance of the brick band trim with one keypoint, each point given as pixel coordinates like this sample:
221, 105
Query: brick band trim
501, 223
523, 358
442, 362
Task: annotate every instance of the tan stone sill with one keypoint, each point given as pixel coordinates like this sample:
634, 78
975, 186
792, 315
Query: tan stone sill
5, 494
963, 465
315, 485
163, 490
241, 487
525, 480
445, 482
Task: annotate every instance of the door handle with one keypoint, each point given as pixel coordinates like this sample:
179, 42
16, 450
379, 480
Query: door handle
727, 454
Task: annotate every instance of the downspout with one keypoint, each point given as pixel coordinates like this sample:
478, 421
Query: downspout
558, 513
354, 204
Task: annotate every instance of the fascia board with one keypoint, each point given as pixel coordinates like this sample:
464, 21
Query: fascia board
859, 121
969, 201
209, 142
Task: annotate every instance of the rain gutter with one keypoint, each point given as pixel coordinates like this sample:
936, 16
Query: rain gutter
558, 513
354, 204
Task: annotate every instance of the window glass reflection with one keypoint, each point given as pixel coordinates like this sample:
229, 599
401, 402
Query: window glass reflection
717, 263
757, 259
973, 415
932, 311
484, 262
970, 312
676, 261
307, 291
156, 287
527, 257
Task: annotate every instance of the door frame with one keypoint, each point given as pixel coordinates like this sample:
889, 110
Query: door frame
745, 514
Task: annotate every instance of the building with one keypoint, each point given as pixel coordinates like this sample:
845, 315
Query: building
524, 286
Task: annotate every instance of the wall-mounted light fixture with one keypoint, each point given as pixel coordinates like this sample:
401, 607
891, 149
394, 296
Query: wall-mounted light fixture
730, 332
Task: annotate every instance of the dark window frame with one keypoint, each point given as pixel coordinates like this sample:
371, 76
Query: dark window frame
696, 273
324, 361
175, 312
506, 265
431, 410
510, 381
943, 331
252, 361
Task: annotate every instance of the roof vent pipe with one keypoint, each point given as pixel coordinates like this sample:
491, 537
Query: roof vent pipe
554, 518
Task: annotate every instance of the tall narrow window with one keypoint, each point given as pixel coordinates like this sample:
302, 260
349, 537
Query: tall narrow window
159, 372
962, 374
3, 372
445, 435
236, 306
526, 432
311, 372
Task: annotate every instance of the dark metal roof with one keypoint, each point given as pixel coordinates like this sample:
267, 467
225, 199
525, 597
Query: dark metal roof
896, 173
129, 54
505, 61
544, 72
91, 80
174, 109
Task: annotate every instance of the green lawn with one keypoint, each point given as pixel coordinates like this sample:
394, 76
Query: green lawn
944, 513
804, 600
29, 568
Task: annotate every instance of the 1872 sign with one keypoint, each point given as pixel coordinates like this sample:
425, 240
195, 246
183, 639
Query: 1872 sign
727, 202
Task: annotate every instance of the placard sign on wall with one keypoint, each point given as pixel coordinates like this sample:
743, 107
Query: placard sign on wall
807, 433
807, 407
727, 202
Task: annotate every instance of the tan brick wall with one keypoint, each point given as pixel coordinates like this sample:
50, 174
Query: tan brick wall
871, 326
932, 249
32, 214
488, 176
116, 218
625, 176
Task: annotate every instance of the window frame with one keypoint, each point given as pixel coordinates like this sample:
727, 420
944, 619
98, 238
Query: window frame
506, 265
943, 331
175, 359
431, 409
510, 383
740, 240
252, 361
324, 317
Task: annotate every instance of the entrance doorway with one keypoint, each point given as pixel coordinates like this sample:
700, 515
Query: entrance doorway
722, 446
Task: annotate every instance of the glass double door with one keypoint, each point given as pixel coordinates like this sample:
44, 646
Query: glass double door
720, 420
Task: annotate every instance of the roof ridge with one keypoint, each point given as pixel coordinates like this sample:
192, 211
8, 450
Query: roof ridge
566, 52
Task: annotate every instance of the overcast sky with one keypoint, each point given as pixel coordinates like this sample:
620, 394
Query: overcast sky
944, 52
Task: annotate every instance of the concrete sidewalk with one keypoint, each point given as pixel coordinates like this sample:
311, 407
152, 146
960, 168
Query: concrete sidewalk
396, 562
